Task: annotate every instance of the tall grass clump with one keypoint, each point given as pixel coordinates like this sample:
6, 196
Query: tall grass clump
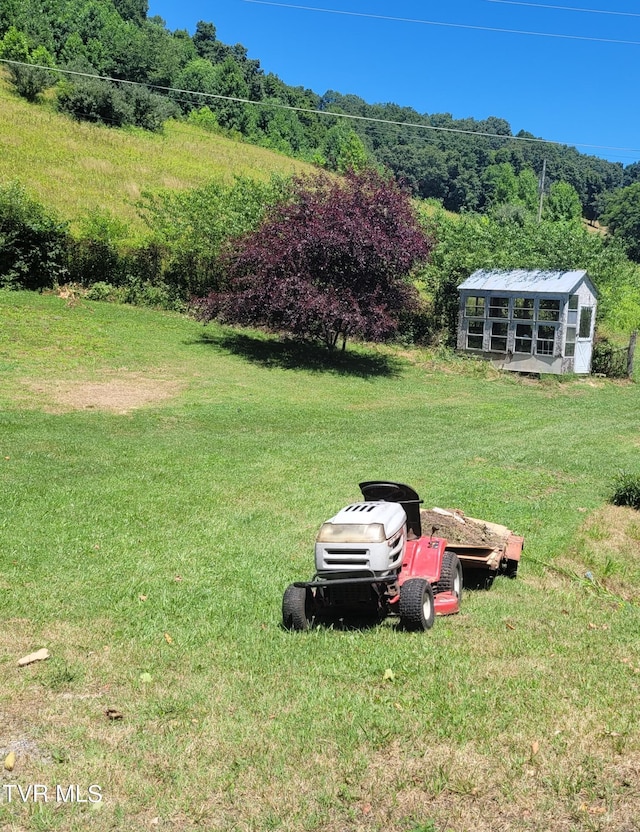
626, 490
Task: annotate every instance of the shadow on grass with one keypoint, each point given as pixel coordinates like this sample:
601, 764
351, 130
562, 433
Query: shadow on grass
353, 623
359, 623
296, 355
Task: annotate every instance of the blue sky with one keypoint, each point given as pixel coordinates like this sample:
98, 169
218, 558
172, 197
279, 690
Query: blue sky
580, 90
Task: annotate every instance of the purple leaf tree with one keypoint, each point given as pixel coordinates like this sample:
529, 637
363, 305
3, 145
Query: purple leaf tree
331, 262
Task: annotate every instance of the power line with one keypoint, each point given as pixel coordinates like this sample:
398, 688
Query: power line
564, 8
328, 113
441, 23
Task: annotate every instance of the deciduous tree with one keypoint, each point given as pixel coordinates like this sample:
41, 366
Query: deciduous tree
193, 225
563, 202
27, 75
331, 262
622, 215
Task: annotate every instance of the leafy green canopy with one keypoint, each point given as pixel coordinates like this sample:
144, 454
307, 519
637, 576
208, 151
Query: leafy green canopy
622, 215
192, 226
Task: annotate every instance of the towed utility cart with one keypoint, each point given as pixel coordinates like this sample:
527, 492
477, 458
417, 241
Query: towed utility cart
485, 549
373, 560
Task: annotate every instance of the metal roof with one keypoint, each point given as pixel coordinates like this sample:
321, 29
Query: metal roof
521, 280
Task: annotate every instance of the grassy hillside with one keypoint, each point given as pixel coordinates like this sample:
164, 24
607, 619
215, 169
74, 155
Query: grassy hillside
161, 484
76, 167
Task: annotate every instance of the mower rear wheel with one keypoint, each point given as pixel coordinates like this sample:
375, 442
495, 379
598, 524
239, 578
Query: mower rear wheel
450, 575
416, 604
511, 569
296, 614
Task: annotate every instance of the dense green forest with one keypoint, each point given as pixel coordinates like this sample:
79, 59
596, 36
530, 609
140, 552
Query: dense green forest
116, 38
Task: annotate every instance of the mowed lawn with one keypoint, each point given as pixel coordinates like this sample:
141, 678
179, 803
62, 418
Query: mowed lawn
160, 485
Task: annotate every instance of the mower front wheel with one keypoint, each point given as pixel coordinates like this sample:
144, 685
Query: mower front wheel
416, 604
296, 608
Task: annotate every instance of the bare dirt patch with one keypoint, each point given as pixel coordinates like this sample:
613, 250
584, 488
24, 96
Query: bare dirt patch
122, 394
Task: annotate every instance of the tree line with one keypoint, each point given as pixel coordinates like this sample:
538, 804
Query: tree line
176, 72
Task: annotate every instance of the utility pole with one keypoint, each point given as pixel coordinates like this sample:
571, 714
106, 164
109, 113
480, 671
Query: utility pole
630, 352
544, 171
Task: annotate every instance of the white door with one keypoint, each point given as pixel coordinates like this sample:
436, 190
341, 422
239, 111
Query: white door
584, 341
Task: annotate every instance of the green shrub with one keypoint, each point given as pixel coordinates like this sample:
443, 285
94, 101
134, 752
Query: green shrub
155, 295
96, 256
91, 99
30, 81
33, 243
608, 360
106, 292
204, 118
189, 228
416, 326
95, 261
626, 490
137, 293
149, 110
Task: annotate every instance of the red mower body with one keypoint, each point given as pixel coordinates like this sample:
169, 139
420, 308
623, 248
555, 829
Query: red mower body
424, 559
372, 561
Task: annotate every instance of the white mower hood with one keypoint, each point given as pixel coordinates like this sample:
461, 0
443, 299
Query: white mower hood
391, 515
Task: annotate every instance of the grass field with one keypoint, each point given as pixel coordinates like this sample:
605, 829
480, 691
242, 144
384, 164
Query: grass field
77, 167
161, 484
